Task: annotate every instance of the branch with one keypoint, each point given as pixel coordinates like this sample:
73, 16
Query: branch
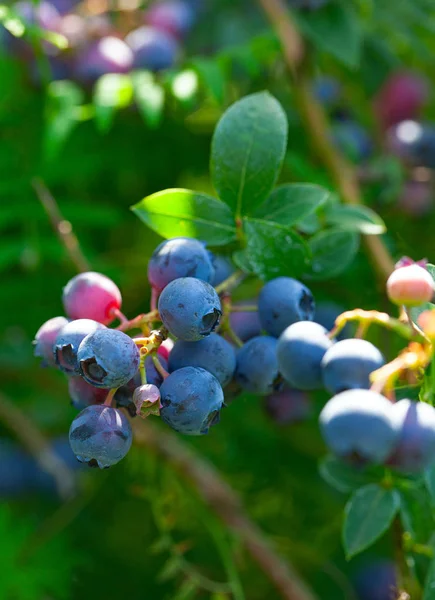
61, 227
220, 498
342, 172
32, 439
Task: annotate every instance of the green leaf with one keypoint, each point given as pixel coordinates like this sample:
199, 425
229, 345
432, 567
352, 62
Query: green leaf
332, 251
212, 76
355, 218
290, 203
149, 97
247, 151
112, 92
63, 101
336, 29
429, 478
416, 513
368, 515
241, 260
429, 585
344, 478
274, 250
176, 212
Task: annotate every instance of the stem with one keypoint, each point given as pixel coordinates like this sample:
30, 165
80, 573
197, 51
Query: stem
109, 399
142, 370
159, 367
154, 298
243, 308
368, 317
119, 315
32, 439
225, 503
343, 173
233, 335
139, 321
62, 228
231, 282
412, 323
405, 580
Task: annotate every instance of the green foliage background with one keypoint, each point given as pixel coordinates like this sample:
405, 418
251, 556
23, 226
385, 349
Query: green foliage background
125, 535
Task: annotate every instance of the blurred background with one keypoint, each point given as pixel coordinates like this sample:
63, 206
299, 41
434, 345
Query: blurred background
106, 102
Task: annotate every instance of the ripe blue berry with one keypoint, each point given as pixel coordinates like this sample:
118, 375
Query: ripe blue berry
282, 302
359, 424
190, 308
415, 448
213, 353
45, 338
288, 406
68, 341
100, 436
83, 394
108, 358
245, 325
348, 364
301, 348
174, 16
91, 296
107, 55
413, 142
179, 257
191, 400
257, 366
352, 139
376, 580
153, 48
223, 268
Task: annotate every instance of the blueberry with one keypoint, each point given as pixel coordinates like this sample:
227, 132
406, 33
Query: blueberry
282, 302
44, 14
124, 395
359, 424
401, 97
100, 436
348, 364
91, 296
376, 580
108, 358
179, 257
288, 406
190, 308
45, 338
153, 48
213, 353
245, 325
352, 139
410, 285
83, 394
413, 142
257, 366
174, 16
107, 55
327, 90
415, 448
301, 348
223, 268
191, 400
68, 341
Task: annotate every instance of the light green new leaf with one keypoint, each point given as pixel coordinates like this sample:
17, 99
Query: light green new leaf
179, 212
149, 97
247, 152
355, 218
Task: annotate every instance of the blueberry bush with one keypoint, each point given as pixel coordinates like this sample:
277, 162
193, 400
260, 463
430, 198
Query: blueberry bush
216, 230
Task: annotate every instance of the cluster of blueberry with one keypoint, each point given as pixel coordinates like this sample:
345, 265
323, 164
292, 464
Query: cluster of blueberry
98, 44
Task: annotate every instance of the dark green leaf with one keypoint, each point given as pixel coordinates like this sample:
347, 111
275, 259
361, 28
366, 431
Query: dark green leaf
429, 477
274, 250
112, 92
170, 569
149, 97
368, 515
355, 218
344, 478
335, 29
333, 251
289, 203
429, 585
247, 151
241, 260
416, 513
176, 212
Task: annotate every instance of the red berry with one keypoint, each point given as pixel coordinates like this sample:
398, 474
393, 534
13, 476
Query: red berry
410, 285
91, 296
165, 348
45, 338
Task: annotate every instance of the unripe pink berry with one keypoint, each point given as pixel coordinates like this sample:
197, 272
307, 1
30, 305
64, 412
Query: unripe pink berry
147, 400
411, 285
45, 338
165, 348
91, 296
